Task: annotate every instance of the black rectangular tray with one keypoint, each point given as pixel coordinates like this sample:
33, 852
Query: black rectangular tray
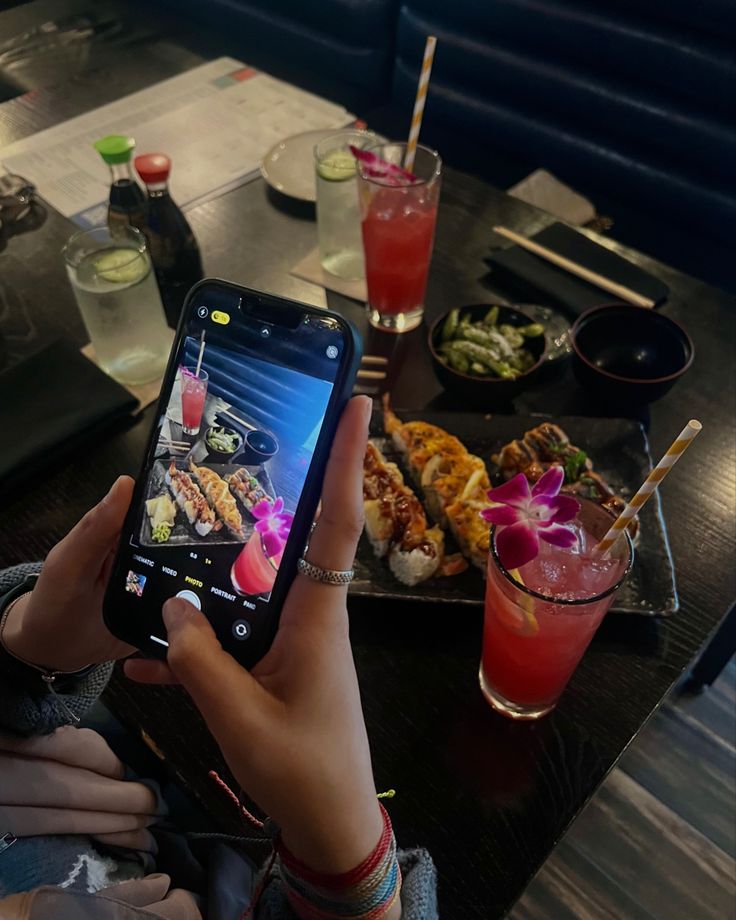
620, 453
183, 533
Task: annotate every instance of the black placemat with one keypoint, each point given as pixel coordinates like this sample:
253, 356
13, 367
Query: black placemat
50, 404
531, 273
620, 453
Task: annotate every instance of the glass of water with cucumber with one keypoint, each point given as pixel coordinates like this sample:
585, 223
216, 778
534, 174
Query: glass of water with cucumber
118, 298
338, 218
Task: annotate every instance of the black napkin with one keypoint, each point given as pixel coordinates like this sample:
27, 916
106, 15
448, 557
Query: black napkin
49, 404
568, 291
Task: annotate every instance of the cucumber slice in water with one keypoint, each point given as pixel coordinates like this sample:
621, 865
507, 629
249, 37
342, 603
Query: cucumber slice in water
337, 166
121, 266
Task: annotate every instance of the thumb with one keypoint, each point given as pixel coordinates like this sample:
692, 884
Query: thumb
217, 684
89, 542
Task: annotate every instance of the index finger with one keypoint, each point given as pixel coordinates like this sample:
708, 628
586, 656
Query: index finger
338, 529
340, 523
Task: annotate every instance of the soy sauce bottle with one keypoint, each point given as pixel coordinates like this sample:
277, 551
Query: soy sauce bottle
127, 203
174, 249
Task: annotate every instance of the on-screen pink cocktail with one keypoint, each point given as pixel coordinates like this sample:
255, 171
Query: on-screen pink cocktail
398, 222
193, 396
536, 632
253, 572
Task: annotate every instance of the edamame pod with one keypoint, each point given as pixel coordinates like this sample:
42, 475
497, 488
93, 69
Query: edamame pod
449, 327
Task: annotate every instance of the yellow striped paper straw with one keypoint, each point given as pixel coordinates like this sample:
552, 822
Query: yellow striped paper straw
416, 118
675, 451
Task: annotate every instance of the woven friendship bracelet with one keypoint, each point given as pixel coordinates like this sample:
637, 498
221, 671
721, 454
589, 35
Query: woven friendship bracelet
371, 905
345, 879
378, 887
308, 911
364, 893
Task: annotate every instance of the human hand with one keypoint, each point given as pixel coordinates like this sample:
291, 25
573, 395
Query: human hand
292, 728
59, 625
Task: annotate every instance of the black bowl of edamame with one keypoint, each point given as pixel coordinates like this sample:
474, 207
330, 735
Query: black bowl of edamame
222, 443
487, 353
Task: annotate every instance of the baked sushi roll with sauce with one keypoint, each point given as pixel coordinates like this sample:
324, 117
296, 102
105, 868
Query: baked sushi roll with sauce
439, 463
396, 524
246, 487
548, 445
191, 501
219, 498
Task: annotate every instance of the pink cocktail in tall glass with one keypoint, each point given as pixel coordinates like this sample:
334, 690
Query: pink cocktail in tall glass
537, 629
398, 222
254, 572
193, 396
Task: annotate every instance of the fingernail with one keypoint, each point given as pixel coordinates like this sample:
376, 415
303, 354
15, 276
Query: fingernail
367, 408
174, 611
113, 489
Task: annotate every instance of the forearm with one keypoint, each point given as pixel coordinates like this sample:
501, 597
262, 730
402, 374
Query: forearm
336, 839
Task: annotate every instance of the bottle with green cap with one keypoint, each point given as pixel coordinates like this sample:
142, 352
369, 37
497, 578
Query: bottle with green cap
127, 205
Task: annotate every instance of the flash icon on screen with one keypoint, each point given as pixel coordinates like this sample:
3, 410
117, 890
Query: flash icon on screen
331, 351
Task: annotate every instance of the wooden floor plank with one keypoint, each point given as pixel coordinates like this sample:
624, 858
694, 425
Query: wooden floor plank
667, 867
571, 887
715, 707
657, 841
691, 771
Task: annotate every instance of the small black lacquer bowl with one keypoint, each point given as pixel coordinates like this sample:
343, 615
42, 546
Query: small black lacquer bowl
629, 355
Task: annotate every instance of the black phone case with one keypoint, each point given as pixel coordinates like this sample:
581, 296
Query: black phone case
311, 491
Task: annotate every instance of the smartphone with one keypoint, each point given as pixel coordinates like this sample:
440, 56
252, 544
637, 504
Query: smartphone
233, 468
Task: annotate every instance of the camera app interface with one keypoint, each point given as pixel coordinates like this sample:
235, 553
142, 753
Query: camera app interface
227, 467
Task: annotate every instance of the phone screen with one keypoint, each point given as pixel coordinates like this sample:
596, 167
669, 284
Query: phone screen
221, 497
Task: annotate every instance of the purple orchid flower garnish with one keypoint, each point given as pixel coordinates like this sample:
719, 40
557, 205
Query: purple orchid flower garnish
376, 167
525, 515
273, 524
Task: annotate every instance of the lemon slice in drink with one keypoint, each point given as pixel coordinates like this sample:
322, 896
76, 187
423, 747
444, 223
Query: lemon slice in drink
520, 617
337, 166
120, 266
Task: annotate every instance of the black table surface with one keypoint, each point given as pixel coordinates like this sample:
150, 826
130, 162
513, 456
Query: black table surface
489, 798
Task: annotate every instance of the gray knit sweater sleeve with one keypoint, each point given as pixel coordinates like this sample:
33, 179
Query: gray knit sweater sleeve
28, 708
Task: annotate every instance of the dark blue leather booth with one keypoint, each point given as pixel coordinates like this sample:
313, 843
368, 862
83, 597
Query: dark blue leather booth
343, 48
630, 102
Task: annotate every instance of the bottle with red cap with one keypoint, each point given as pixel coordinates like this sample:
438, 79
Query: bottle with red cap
174, 249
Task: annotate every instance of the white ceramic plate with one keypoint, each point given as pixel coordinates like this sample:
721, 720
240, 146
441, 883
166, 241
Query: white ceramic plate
289, 166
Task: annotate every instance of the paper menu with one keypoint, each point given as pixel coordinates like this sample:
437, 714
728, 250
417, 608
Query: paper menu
216, 122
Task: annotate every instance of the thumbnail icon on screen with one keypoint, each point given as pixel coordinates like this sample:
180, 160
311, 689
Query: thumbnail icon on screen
135, 583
